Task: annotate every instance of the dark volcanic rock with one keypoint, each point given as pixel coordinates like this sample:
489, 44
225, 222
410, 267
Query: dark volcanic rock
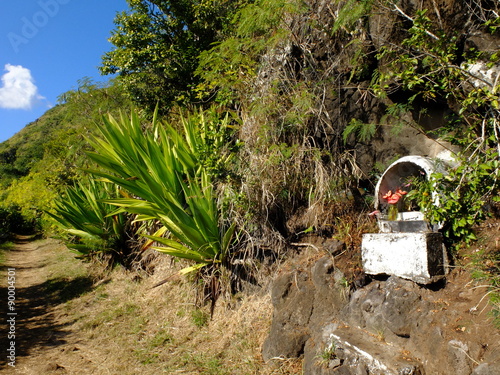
387, 327
303, 300
292, 297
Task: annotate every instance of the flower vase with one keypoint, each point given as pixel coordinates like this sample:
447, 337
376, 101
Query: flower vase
392, 212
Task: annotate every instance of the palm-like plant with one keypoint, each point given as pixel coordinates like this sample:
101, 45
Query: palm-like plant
164, 176
81, 212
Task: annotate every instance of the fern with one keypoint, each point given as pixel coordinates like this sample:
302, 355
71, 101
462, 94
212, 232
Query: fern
351, 12
259, 27
363, 131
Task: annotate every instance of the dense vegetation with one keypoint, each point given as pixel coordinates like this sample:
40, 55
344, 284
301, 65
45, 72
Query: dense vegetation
266, 110
46, 156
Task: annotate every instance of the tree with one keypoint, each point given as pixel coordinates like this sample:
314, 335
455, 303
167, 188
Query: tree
157, 44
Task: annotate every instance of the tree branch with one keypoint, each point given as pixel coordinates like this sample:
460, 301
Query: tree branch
412, 20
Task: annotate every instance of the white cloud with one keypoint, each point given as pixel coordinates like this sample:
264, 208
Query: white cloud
18, 90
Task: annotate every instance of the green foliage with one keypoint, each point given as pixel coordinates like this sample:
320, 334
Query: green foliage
162, 171
35, 193
425, 66
23, 151
91, 224
394, 115
6, 246
424, 62
458, 198
57, 138
364, 132
12, 221
232, 64
32, 194
42, 159
210, 134
83, 107
492, 25
326, 355
157, 44
350, 13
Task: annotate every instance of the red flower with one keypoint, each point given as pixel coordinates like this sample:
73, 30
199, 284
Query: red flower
393, 198
401, 192
388, 195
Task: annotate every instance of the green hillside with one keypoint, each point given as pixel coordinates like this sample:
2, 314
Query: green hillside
47, 155
59, 129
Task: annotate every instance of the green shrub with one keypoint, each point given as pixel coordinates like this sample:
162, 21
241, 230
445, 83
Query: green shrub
12, 221
164, 173
91, 224
425, 66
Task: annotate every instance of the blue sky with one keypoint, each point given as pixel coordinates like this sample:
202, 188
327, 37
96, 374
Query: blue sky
46, 46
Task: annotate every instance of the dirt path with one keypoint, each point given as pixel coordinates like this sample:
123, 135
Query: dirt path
66, 325
35, 327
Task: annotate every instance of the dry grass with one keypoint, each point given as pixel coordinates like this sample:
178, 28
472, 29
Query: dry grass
124, 326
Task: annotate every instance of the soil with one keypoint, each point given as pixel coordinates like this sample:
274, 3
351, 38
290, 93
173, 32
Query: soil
73, 321
42, 333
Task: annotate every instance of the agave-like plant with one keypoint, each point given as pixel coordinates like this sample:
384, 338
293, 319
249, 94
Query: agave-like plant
94, 226
161, 170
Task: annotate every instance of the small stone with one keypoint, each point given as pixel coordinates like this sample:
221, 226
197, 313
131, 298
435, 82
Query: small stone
53, 366
458, 357
487, 369
333, 246
334, 363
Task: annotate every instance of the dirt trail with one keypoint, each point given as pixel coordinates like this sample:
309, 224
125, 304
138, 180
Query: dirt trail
67, 325
41, 328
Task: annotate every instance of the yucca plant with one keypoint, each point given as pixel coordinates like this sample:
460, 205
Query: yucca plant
91, 223
163, 172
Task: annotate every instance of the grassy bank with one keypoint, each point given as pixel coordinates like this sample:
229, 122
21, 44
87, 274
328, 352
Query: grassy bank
118, 322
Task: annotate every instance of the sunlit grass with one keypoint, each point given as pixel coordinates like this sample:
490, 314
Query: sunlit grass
485, 267
7, 245
4, 247
161, 330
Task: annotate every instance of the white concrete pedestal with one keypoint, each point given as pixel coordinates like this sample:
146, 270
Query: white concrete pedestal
419, 257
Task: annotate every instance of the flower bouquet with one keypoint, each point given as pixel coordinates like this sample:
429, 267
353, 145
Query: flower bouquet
393, 200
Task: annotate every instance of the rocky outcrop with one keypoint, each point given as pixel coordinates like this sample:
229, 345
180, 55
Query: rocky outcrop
302, 300
390, 326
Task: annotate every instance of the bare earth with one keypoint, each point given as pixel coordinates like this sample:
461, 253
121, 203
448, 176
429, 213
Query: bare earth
69, 323
41, 333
